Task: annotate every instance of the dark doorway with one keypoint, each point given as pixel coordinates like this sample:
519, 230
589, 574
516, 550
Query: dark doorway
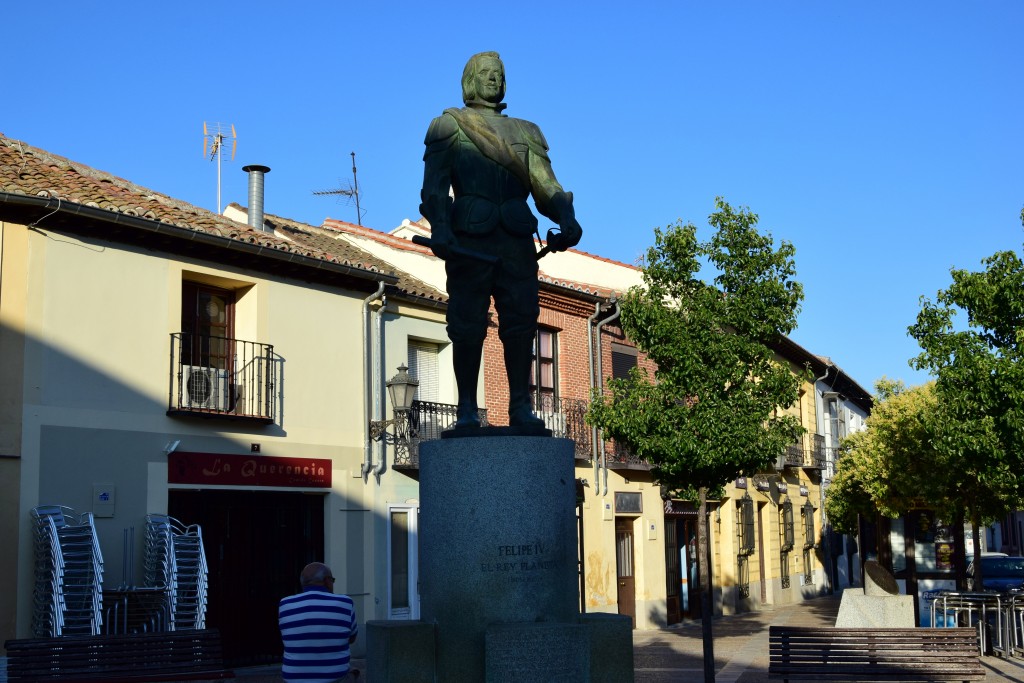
256, 544
682, 567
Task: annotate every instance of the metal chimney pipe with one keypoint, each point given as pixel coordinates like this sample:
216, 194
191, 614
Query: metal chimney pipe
256, 173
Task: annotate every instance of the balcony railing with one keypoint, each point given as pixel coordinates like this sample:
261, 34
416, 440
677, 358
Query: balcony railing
426, 422
797, 455
565, 417
621, 456
218, 376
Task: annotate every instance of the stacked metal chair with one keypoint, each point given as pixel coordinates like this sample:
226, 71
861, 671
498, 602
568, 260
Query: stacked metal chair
175, 561
68, 590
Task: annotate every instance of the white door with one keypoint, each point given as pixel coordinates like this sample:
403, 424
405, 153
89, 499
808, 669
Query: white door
403, 569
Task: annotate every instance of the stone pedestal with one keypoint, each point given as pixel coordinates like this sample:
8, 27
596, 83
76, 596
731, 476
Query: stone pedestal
517, 653
400, 651
497, 538
611, 647
857, 610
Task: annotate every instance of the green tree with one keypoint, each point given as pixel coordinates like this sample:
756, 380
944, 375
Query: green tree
891, 466
979, 421
713, 408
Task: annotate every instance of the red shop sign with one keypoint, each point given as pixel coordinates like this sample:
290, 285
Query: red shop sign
247, 470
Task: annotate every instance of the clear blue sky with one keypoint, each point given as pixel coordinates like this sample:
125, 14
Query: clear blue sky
883, 139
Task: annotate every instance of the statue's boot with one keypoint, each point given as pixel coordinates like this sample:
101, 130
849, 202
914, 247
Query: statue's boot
466, 363
518, 360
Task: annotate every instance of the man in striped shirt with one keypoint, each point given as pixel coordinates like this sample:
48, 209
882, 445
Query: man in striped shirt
317, 628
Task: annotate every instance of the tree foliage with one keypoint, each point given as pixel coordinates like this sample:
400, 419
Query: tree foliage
979, 422
711, 411
892, 466
955, 444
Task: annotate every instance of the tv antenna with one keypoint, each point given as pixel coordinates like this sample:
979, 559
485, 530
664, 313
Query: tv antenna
214, 136
349, 191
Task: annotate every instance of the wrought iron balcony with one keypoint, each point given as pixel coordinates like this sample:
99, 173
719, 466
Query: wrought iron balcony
565, 417
222, 377
796, 455
427, 420
819, 454
621, 457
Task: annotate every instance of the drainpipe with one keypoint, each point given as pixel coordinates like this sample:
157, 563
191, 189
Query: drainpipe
593, 385
599, 445
255, 212
382, 399
825, 542
368, 354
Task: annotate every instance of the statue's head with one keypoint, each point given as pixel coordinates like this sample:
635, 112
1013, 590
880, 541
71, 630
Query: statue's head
483, 79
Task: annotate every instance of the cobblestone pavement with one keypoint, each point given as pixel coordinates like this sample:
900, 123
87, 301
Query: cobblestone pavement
675, 654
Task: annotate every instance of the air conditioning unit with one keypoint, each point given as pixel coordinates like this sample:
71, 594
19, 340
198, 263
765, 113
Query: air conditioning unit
206, 388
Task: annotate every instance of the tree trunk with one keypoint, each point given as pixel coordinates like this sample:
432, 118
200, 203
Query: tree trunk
979, 576
706, 609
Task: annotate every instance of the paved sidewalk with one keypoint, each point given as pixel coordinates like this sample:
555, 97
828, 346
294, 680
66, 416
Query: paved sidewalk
675, 654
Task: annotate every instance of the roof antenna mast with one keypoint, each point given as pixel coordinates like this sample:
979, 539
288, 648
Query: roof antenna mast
351, 192
214, 136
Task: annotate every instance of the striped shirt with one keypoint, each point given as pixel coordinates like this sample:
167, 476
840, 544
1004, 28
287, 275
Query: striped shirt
316, 627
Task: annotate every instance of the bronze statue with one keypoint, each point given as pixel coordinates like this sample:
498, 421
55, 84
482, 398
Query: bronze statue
493, 163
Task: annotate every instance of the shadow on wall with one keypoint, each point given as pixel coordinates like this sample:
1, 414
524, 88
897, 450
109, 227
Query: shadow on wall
84, 426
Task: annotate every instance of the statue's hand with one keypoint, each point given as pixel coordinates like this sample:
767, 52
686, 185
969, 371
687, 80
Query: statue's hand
437, 210
568, 236
569, 230
441, 244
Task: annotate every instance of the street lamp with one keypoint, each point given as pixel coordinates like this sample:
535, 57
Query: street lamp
401, 389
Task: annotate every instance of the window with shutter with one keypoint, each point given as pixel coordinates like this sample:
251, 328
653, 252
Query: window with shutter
624, 359
423, 366
787, 525
746, 525
808, 514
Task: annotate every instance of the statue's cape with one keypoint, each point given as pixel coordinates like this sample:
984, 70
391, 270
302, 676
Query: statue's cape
490, 144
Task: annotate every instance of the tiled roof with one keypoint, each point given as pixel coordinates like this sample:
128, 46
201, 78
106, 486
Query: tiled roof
325, 240
333, 225
33, 172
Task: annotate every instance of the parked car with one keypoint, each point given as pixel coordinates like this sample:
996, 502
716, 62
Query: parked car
998, 573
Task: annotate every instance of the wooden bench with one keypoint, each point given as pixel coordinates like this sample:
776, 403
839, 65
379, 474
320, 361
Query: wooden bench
160, 656
873, 654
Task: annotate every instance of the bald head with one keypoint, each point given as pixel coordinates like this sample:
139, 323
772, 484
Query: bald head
316, 574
